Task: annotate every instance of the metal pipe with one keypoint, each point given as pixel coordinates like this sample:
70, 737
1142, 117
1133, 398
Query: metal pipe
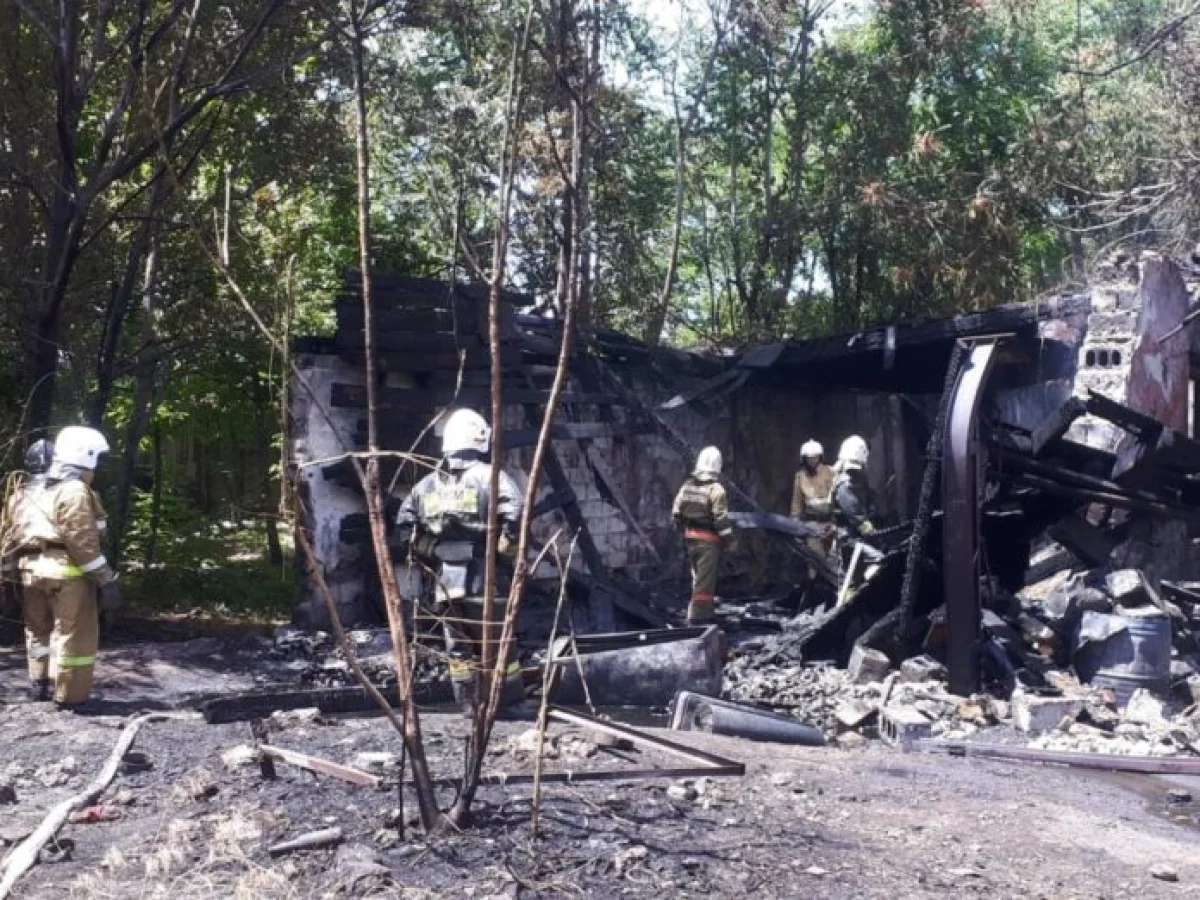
1147, 765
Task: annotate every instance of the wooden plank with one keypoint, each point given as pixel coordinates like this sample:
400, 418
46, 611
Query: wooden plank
396, 361
409, 286
353, 396
573, 431
412, 341
456, 319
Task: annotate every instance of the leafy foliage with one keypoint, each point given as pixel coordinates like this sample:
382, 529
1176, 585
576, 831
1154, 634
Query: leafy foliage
919, 158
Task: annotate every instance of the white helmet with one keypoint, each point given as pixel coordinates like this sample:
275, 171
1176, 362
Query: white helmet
79, 446
812, 448
853, 453
465, 430
708, 462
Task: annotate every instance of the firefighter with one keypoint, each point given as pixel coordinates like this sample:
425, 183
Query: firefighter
37, 462
58, 523
811, 495
701, 510
444, 519
853, 505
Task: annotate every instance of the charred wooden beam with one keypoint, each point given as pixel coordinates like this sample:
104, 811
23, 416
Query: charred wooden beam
1091, 545
573, 431
962, 460
419, 342
1056, 425
553, 501
1136, 423
460, 317
354, 396
561, 485
1121, 501
1087, 488
445, 361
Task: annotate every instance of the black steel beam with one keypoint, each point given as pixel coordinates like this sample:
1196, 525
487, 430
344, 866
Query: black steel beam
960, 528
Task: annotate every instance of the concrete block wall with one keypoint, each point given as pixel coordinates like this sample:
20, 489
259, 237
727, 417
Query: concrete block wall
1106, 358
316, 436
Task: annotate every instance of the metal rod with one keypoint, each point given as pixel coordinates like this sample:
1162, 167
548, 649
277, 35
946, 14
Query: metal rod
1149, 765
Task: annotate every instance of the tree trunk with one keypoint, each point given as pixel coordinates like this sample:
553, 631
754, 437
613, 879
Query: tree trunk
156, 498
493, 657
413, 742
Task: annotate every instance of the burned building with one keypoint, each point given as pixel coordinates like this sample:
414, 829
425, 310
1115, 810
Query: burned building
633, 416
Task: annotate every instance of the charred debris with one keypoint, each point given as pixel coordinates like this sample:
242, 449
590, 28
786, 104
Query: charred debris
1034, 461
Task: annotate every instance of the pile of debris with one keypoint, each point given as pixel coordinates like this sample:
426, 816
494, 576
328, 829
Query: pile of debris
1089, 662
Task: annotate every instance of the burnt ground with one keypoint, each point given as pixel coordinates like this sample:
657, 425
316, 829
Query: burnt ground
828, 822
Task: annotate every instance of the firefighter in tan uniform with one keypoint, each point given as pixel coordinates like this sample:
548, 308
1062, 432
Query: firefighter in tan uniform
59, 522
812, 491
444, 518
701, 510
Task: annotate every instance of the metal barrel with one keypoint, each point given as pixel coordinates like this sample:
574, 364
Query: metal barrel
1137, 655
637, 668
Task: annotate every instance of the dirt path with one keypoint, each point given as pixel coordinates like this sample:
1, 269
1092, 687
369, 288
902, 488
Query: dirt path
802, 823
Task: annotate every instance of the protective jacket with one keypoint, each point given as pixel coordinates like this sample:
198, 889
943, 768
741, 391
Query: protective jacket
701, 509
853, 506
701, 505
57, 524
811, 494
445, 517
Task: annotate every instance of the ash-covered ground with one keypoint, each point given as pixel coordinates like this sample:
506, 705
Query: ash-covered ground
858, 821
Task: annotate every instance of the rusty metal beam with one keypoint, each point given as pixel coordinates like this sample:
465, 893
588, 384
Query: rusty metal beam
961, 471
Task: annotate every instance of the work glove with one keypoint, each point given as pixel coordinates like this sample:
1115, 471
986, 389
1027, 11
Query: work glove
866, 529
424, 544
110, 596
507, 545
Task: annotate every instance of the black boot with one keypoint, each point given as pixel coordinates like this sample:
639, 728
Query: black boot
41, 690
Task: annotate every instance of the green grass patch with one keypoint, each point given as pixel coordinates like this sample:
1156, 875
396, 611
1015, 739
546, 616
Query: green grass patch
218, 571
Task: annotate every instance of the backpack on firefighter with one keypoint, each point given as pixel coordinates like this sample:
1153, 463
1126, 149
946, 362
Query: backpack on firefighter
701, 512
444, 522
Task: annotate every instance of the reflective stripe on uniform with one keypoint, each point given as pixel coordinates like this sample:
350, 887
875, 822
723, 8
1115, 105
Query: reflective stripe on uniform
76, 662
48, 567
95, 565
701, 534
38, 652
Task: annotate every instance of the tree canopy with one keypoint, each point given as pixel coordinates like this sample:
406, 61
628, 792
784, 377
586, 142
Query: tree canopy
752, 169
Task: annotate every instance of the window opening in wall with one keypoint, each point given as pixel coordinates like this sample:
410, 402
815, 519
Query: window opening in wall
1116, 357
1089, 358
